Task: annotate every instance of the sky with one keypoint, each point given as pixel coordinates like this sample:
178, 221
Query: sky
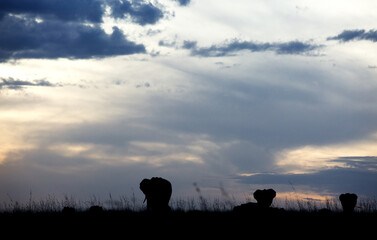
234, 96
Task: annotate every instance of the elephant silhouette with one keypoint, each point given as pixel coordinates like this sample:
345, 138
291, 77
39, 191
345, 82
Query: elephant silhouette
264, 197
264, 200
68, 210
157, 193
348, 201
95, 209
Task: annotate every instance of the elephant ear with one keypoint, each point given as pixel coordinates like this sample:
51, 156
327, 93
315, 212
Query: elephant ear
271, 193
144, 185
341, 197
257, 194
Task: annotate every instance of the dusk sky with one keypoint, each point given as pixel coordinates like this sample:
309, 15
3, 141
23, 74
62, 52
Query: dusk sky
96, 95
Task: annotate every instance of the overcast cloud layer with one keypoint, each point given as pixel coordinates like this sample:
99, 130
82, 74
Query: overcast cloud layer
97, 95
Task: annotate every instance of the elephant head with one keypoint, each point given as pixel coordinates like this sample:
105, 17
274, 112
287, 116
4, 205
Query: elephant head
157, 193
348, 201
264, 197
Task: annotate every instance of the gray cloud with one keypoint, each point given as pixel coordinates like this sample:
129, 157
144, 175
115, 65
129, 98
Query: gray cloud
277, 116
231, 48
360, 176
27, 38
165, 43
366, 163
246, 121
353, 35
183, 2
83, 178
144, 85
12, 83
68, 10
58, 29
140, 12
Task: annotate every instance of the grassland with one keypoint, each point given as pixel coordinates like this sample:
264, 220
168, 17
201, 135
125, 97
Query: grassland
131, 203
199, 217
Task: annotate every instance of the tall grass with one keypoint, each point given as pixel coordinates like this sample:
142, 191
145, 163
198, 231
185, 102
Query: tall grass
122, 203
196, 203
364, 205
53, 204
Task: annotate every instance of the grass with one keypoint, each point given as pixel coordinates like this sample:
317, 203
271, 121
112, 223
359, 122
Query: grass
199, 217
54, 204
198, 203
122, 203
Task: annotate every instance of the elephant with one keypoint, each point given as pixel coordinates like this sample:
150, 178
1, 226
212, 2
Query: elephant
264, 200
68, 210
95, 209
348, 201
157, 193
264, 197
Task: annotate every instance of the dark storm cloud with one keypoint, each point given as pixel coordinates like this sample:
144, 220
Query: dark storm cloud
360, 176
58, 29
353, 35
12, 83
65, 10
140, 12
231, 48
26, 38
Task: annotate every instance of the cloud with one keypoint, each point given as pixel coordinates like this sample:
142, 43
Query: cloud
356, 178
183, 2
295, 47
140, 12
28, 38
366, 163
67, 10
165, 43
83, 177
236, 45
144, 85
232, 124
69, 29
353, 35
15, 84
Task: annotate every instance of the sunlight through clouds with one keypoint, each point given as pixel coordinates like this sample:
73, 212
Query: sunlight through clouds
12, 142
311, 158
155, 153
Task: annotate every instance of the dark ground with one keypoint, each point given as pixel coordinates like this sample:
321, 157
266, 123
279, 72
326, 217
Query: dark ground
198, 224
